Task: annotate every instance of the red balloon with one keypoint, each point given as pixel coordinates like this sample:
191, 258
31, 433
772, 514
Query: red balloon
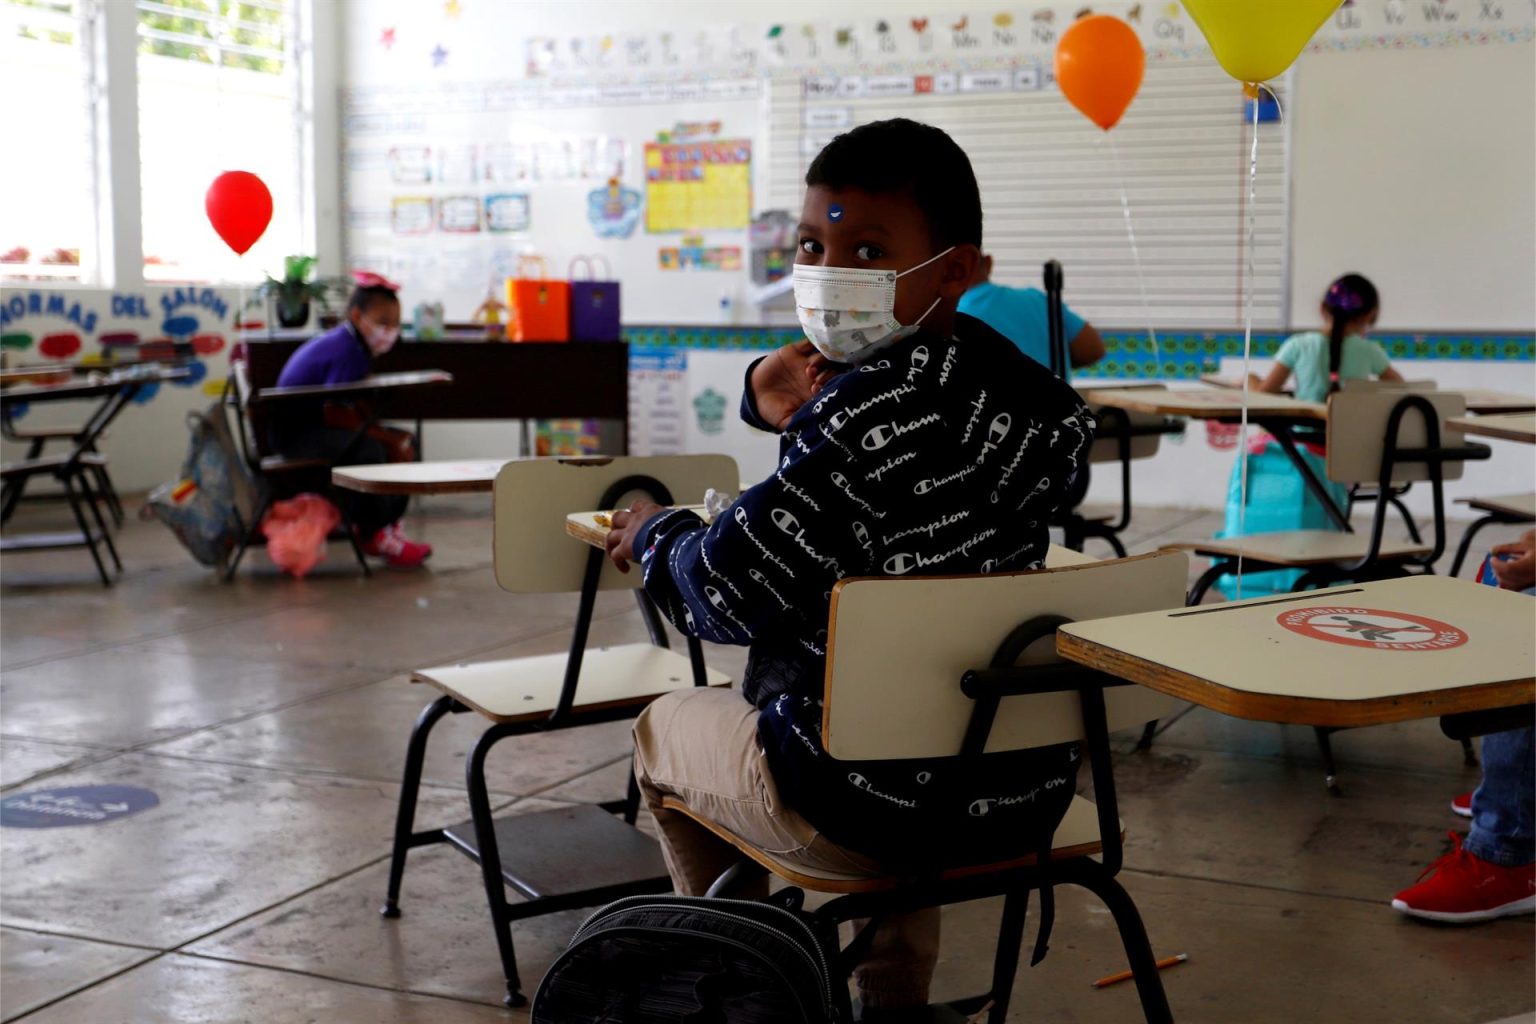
239, 208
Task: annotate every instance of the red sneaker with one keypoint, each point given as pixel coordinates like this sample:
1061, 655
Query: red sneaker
1462, 805
397, 550
1463, 888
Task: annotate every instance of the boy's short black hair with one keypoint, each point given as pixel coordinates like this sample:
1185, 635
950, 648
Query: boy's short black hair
364, 296
901, 155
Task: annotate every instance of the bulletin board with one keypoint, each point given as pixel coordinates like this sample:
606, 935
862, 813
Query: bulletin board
447, 182
698, 186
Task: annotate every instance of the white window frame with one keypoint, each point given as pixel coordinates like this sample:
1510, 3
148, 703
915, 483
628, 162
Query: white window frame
109, 32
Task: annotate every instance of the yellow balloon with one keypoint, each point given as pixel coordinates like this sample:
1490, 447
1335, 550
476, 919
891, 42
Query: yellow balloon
1256, 40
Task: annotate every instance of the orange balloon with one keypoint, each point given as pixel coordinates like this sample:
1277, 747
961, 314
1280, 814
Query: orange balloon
1099, 63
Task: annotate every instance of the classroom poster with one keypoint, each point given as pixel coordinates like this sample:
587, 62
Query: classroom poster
698, 186
411, 215
712, 413
658, 392
507, 211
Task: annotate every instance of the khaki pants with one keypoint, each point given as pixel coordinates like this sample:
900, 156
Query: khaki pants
701, 746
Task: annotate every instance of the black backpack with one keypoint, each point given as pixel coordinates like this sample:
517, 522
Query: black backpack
671, 959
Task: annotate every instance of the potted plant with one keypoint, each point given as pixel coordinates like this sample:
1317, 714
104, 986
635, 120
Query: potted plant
294, 293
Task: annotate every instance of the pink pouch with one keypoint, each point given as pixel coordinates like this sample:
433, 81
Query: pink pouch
296, 530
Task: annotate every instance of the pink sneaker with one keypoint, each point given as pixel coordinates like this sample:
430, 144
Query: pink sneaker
1463, 888
397, 550
1462, 805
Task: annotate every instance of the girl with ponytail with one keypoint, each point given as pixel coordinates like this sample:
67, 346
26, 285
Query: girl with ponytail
1320, 361
1277, 497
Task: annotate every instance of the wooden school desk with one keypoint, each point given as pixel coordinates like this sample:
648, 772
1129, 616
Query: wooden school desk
1486, 401
1368, 654
1280, 415
1510, 427
466, 476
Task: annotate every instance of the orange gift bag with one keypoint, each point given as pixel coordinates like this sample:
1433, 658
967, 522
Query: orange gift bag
539, 309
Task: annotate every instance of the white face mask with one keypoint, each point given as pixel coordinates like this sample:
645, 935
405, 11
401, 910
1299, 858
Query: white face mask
380, 339
849, 313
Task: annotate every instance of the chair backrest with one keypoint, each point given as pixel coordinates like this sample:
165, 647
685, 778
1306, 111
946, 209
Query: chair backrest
1367, 384
899, 645
1357, 431
533, 555
250, 431
1106, 447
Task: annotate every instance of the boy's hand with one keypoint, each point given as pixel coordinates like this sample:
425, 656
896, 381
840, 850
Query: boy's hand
787, 379
620, 541
1519, 571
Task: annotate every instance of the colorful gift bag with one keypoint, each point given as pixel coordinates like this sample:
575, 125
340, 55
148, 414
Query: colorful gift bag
1278, 500
539, 308
594, 302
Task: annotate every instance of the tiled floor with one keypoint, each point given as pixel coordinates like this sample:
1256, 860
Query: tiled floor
270, 717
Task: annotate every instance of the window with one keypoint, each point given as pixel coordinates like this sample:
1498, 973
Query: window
47, 179
219, 90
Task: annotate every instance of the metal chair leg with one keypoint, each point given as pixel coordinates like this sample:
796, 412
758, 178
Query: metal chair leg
101, 523
1207, 580
490, 860
1005, 961
1325, 748
1413, 528
1148, 731
249, 538
85, 530
1133, 936
350, 530
410, 787
1468, 755
1466, 542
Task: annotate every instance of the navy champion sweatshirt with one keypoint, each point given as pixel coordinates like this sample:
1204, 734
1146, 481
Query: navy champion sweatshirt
935, 456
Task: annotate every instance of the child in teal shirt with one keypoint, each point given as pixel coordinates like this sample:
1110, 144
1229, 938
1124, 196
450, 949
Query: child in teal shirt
1278, 498
1320, 361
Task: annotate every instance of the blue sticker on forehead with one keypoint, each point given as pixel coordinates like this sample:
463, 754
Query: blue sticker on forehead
835, 212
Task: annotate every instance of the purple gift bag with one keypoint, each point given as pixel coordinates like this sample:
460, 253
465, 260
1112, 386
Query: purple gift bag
594, 303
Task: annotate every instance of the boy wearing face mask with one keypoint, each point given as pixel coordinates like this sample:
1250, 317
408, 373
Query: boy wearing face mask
913, 441
344, 355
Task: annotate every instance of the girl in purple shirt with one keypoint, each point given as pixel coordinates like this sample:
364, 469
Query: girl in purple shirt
343, 355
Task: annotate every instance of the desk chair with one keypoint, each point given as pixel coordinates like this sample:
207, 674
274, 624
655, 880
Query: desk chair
73, 472
569, 857
1513, 509
36, 438
281, 475
1122, 437
970, 662
1365, 493
1387, 437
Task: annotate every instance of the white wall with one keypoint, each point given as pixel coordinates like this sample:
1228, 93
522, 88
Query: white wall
1418, 169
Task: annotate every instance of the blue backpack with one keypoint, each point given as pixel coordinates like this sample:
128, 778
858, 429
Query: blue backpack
210, 506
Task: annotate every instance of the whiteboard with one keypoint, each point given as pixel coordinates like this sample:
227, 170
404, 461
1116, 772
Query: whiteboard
459, 269
1051, 187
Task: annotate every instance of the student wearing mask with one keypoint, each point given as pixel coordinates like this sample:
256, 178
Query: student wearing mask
335, 432
914, 440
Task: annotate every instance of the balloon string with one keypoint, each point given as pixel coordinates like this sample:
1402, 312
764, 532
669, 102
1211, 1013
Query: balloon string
1242, 432
1130, 231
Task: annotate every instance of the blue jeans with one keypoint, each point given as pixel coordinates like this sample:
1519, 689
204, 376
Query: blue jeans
1504, 806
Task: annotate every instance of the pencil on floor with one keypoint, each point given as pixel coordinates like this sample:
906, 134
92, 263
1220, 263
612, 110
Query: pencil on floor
1127, 975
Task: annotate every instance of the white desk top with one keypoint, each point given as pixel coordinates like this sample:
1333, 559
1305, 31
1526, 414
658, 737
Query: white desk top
1207, 403
465, 476
1510, 427
1364, 654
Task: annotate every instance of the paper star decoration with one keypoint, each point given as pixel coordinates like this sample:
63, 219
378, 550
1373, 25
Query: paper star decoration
451, 8
387, 38
439, 56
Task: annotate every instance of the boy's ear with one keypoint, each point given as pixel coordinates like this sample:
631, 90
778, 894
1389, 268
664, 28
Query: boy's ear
959, 270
